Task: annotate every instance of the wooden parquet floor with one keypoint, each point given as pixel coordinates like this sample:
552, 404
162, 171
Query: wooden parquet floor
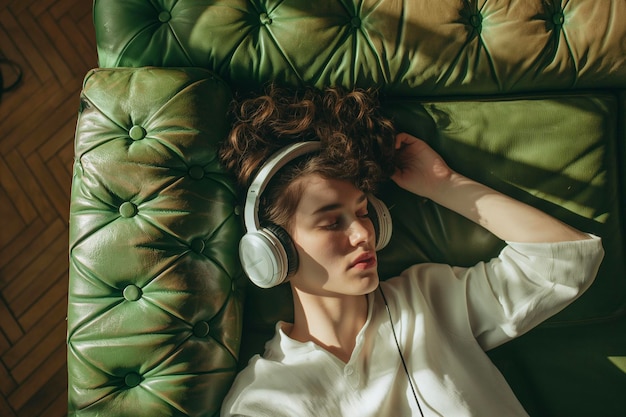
54, 42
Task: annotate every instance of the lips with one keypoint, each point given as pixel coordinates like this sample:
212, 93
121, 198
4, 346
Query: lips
364, 261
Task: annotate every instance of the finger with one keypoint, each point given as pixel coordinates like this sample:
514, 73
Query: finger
403, 139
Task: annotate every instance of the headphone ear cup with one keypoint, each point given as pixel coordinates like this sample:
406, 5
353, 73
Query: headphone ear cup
268, 256
290, 249
381, 218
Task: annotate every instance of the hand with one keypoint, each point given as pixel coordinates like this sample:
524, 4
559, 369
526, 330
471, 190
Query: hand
420, 170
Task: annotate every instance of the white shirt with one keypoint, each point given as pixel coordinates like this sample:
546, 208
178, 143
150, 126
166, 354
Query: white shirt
445, 319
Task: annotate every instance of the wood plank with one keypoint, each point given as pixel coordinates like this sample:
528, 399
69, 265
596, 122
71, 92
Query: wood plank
55, 119
85, 48
47, 369
10, 226
25, 118
7, 383
63, 167
61, 43
8, 324
12, 98
60, 8
66, 155
23, 204
29, 186
80, 10
64, 134
46, 179
63, 178
40, 354
30, 51
50, 246
59, 407
57, 294
86, 27
5, 408
12, 260
18, 6
47, 400
57, 65
24, 346
43, 286
40, 6
4, 343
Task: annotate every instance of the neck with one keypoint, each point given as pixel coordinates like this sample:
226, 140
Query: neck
330, 322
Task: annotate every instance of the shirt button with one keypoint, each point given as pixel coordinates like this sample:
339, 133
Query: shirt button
349, 370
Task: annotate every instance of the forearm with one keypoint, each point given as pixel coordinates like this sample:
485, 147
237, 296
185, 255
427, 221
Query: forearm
503, 216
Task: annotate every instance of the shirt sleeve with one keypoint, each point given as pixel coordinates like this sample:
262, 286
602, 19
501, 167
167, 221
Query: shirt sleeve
526, 284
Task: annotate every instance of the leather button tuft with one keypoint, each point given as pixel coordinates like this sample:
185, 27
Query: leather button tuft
132, 379
137, 132
128, 209
237, 210
355, 22
197, 245
558, 18
476, 20
201, 329
196, 172
265, 19
132, 293
165, 16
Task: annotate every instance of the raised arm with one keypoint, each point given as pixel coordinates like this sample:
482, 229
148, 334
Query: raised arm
423, 172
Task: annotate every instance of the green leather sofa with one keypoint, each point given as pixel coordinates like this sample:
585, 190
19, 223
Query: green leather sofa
526, 96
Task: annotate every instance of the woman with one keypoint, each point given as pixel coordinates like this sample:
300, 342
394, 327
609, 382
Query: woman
411, 345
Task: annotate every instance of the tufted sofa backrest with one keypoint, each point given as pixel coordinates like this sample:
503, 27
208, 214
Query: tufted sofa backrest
405, 47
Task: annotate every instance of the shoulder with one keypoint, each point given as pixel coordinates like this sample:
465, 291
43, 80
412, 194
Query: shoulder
248, 393
419, 286
421, 279
271, 385
271, 388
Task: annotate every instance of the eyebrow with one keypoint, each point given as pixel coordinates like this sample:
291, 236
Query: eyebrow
335, 206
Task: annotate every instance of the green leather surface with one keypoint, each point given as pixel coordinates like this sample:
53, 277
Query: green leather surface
408, 48
154, 316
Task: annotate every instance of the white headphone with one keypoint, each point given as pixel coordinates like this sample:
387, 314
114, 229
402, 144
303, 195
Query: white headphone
267, 253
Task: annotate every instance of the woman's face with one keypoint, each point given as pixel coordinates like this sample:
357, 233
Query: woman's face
334, 238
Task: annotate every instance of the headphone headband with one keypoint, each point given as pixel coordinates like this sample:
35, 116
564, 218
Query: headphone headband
265, 174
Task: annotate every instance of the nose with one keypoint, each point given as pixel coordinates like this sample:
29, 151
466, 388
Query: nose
361, 231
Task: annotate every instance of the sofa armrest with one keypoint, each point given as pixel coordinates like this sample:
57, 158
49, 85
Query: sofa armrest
154, 317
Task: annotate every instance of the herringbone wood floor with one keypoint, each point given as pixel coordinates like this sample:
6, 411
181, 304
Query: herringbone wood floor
53, 41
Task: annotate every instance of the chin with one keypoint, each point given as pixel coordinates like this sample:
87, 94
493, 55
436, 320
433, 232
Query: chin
370, 283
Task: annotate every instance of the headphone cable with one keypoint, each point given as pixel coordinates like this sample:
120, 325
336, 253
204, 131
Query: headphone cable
406, 369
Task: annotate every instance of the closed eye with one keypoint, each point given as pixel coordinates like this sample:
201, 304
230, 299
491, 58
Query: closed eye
333, 226
329, 222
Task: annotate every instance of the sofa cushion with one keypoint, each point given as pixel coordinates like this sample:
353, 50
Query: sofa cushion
154, 317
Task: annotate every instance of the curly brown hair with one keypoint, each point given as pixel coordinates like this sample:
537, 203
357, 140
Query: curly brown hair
357, 142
